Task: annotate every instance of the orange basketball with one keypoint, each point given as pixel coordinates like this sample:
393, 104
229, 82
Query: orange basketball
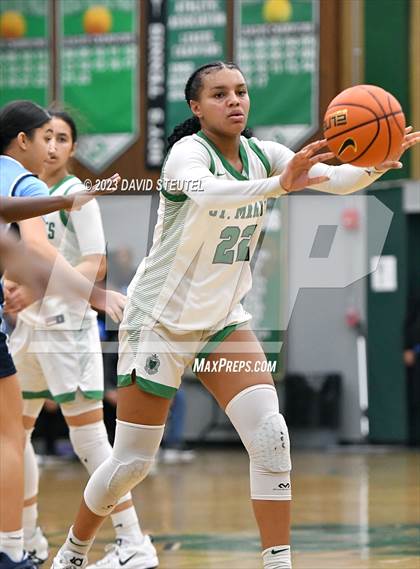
364, 126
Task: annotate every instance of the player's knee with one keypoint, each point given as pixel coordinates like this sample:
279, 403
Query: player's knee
90, 443
270, 462
263, 430
270, 447
132, 458
111, 481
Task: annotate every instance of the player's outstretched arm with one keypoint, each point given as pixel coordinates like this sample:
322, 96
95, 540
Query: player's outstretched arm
18, 208
307, 169
22, 265
345, 179
34, 271
296, 174
188, 169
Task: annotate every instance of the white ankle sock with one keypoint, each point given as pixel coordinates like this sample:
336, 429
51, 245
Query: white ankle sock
11, 543
126, 526
277, 557
30, 518
77, 545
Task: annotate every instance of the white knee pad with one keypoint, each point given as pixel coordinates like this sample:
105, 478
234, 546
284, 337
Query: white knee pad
132, 457
30, 468
91, 444
255, 415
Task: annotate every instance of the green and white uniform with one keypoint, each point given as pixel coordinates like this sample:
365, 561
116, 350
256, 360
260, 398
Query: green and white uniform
56, 345
191, 285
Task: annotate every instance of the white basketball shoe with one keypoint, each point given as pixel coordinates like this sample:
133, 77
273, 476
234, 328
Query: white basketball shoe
69, 560
37, 547
128, 556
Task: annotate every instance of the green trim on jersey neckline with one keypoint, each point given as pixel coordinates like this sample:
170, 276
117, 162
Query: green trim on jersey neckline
64, 215
148, 386
261, 156
242, 154
212, 167
62, 397
55, 187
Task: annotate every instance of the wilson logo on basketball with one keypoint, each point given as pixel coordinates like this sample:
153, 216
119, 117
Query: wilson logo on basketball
348, 143
336, 119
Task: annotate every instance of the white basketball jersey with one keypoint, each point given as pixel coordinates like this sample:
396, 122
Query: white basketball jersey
74, 234
198, 269
209, 220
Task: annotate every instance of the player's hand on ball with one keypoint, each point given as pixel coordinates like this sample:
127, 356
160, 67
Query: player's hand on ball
410, 139
296, 174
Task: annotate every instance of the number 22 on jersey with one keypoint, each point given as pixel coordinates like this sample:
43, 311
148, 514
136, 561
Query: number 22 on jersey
226, 249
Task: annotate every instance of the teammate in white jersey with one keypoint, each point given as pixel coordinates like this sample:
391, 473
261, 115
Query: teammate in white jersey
185, 301
57, 352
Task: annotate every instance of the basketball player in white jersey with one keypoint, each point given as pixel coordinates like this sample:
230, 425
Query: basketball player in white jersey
57, 352
185, 302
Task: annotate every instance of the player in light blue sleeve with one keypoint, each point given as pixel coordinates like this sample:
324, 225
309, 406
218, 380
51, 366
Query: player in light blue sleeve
22, 154
68, 368
25, 135
25, 144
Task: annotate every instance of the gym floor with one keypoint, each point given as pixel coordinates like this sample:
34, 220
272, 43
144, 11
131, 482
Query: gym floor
354, 508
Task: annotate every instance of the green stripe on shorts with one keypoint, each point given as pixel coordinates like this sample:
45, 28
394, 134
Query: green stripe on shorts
124, 380
65, 397
62, 397
148, 386
37, 394
217, 339
97, 395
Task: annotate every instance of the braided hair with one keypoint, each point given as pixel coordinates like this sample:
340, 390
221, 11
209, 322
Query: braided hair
192, 91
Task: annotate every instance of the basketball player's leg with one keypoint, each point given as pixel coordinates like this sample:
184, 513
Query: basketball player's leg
82, 375
34, 389
11, 463
36, 543
141, 417
250, 400
91, 421
147, 379
84, 417
90, 442
138, 413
